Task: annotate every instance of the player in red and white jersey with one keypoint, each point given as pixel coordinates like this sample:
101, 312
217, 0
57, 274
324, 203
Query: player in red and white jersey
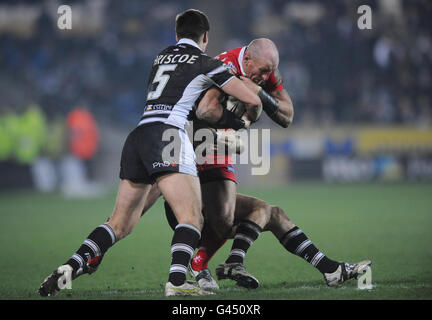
256, 65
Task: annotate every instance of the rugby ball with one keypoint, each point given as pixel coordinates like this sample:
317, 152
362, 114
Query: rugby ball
236, 106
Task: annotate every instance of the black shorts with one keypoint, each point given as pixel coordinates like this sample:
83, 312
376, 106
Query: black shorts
146, 156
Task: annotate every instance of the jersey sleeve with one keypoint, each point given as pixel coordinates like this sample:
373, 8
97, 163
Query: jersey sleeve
217, 71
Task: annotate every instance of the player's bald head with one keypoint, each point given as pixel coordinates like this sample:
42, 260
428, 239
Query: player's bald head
264, 48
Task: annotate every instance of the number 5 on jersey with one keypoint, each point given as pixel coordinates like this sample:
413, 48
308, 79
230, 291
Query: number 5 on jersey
162, 78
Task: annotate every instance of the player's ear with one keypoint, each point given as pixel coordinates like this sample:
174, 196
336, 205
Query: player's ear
177, 38
205, 37
246, 57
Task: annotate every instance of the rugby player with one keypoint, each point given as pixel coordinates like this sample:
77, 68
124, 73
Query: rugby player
179, 75
256, 64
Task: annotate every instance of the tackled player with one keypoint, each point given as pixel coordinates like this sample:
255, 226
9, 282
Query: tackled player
257, 66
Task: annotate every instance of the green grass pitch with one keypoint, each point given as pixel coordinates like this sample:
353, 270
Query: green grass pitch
391, 224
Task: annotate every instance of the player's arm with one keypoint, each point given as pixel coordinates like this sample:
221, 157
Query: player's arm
236, 88
211, 111
231, 85
280, 111
277, 104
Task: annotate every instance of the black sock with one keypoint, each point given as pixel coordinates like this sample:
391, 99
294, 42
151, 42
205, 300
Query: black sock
183, 245
296, 242
247, 232
96, 244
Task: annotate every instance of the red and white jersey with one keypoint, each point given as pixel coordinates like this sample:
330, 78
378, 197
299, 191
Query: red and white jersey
233, 60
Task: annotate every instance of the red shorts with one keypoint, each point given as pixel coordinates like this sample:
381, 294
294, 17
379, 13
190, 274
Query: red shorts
209, 173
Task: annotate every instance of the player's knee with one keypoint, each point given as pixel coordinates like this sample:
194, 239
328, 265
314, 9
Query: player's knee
264, 208
278, 216
261, 213
277, 213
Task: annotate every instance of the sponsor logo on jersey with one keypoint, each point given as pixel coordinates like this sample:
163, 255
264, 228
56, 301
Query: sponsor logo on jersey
163, 107
232, 68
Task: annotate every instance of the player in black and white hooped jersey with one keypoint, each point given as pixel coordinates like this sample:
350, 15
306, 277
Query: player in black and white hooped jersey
179, 75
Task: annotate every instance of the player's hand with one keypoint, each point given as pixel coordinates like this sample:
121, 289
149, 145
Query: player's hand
250, 84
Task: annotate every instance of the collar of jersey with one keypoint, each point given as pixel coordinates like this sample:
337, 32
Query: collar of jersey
189, 41
240, 60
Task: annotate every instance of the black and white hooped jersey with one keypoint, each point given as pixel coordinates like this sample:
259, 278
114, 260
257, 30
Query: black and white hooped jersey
180, 73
